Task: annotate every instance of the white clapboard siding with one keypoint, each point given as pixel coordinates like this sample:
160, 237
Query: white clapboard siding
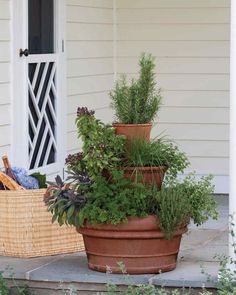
208, 99
91, 49
4, 92
71, 123
75, 143
89, 15
5, 51
91, 3
5, 10
5, 134
215, 149
196, 82
5, 30
87, 32
5, 78
94, 101
170, 32
210, 149
174, 15
214, 166
5, 150
194, 115
141, 4
89, 84
190, 41
5, 114
105, 114
178, 65
206, 132
173, 48
90, 70
4, 73
89, 67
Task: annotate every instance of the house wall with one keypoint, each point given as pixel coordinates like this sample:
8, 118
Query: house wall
89, 61
190, 40
5, 77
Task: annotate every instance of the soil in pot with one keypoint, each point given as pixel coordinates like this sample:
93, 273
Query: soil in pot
134, 131
146, 175
140, 244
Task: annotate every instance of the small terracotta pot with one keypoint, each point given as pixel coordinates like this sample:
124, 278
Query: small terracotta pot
146, 175
139, 244
134, 131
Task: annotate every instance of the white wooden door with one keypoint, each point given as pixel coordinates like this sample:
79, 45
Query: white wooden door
38, 81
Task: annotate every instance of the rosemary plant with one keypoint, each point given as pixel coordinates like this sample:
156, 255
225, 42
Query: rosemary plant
139, 102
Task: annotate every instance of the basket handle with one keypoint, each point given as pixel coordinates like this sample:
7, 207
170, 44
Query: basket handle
9, 182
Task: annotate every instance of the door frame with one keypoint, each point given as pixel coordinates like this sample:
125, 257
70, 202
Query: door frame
20, 86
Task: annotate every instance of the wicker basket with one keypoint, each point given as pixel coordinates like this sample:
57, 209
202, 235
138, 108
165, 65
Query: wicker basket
26, 229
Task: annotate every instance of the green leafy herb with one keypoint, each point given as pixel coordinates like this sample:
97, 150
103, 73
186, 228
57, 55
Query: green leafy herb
102, 149
138, 102
112, 202
181, 201
41, 179
4, 290
160, 152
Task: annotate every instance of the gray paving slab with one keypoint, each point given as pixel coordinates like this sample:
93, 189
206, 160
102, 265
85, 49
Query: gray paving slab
200, 237
220, 224
188, 274
20, 266
198, 248
73, 268
203, 254
221, 240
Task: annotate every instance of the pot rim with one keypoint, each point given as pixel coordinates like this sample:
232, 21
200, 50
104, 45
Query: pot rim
137, 224
131, 125
146, 168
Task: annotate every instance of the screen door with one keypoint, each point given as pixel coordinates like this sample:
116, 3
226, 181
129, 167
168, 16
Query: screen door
40, 59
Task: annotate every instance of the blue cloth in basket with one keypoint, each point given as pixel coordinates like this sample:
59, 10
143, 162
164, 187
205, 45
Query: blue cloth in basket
24, 179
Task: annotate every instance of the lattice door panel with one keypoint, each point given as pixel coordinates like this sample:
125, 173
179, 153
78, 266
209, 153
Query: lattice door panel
42, 117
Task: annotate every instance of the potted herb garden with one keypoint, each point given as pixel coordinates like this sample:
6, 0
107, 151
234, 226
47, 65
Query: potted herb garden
123, 213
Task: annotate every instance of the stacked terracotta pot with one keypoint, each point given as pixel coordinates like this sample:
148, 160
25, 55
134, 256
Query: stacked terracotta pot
140, 243
146, 175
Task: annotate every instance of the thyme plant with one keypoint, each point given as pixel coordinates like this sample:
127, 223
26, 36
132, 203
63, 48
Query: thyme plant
19, 289
4, 290
177, 203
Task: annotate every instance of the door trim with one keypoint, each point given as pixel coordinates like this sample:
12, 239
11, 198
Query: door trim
20, 86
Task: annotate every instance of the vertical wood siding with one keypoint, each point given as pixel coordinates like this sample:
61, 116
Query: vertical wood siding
190, 40
5, 79
89, 60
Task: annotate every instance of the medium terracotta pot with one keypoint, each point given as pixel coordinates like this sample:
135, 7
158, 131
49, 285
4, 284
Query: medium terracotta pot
139, 244
146, 175
134, 131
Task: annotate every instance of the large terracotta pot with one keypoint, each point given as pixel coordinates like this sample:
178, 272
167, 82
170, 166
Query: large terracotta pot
146, 175
139, 244
134, 131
